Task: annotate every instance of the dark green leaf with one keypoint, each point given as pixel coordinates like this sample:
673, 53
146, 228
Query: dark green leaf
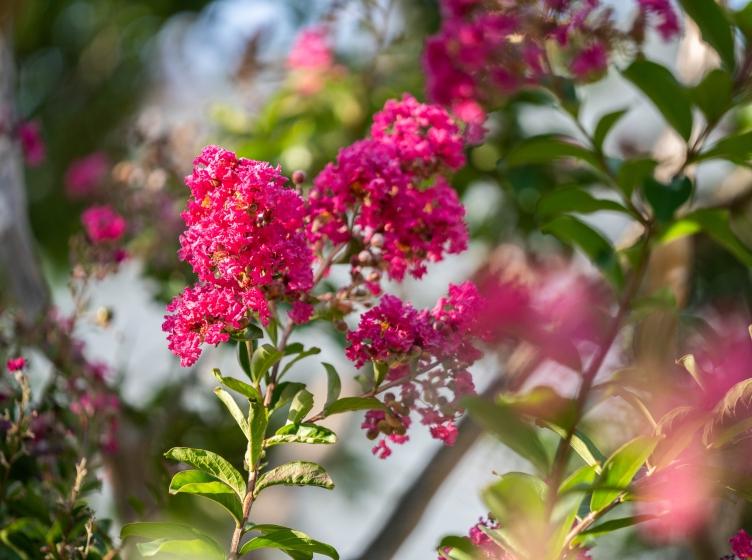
598, 249
302, 433
604, 126
665, 199
503, 422
199, 483
666, 93
347, 404
620, 469
288, 539
243, 351
210, 463
634, 172
713, 94
333, 384
714, 27
577, 200
295, 473
251, 332
736, 149
263, 358
301, 405
547, 148
743, 19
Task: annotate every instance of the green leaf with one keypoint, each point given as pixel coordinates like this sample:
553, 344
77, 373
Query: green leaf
604, 126
380, 369
582, 445
715, 27
575, 199
153, 530
543, 403
263, 358
238, 386
615, 524
284, 393
713, 94
634, 172
289, 540
714, 222
251, 332
461, 548
333, 385
301, 405
243, 358
666, 93
736, 149
258, 420
199, 483
580, 480
547, 148
665, 199
234, 410
295, 473
310, 352
598, 249
301, 433
199, 549
620, 469
743, 19
210, 463
689, 363
503, 422
347, 404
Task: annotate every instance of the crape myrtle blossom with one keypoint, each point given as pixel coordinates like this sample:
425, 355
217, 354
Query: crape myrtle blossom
427, 354
741, 545
84, 175
103, 224
388, 193
32, 144
487, 50
311, 50
16, 364
245, 241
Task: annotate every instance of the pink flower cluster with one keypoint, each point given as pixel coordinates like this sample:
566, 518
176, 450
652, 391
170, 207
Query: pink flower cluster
429, 351
84, 175
489, 49
16, 364
103, 224
246, 242
741, 545
387, 193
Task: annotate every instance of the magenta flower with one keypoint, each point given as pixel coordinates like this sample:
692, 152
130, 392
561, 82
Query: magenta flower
32, 143
741, 544
668, 20
84, 175
16, 364
103, 224
590, 61
311, 50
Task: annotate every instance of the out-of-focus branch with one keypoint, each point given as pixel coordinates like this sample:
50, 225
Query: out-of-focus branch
18, 263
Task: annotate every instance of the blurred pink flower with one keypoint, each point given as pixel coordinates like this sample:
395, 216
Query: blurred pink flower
16, 364
102, 224
84, 175
741, 544
32, 144
311, 50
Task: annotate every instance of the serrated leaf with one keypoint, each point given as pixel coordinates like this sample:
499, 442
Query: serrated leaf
210, 463
666, 93
547, 148
619, 470
301, 433
666, 198
238, 386
596, 247
301, 405
295, 473
333, 384
234, 410
288, 539
604, 126
504, 423
715, 27
199, 483
576, 200
263, 358
347, 404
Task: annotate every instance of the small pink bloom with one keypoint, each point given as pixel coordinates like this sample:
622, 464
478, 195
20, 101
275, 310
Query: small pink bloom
301, 312
32, 144
311, 50
668, 20
16, 364
589, 62
103, 224
741, 544
84, 175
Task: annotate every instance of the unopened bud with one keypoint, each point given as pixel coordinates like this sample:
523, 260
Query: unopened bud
377, 240
298, 177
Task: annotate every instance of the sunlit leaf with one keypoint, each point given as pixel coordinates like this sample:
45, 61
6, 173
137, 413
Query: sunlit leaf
347, 404
620, 469
288, 539
238, 386
263, 358
301, 405
333, 384
576, 200
199, 483
302, 433
234, 410
210, 463
295, 473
